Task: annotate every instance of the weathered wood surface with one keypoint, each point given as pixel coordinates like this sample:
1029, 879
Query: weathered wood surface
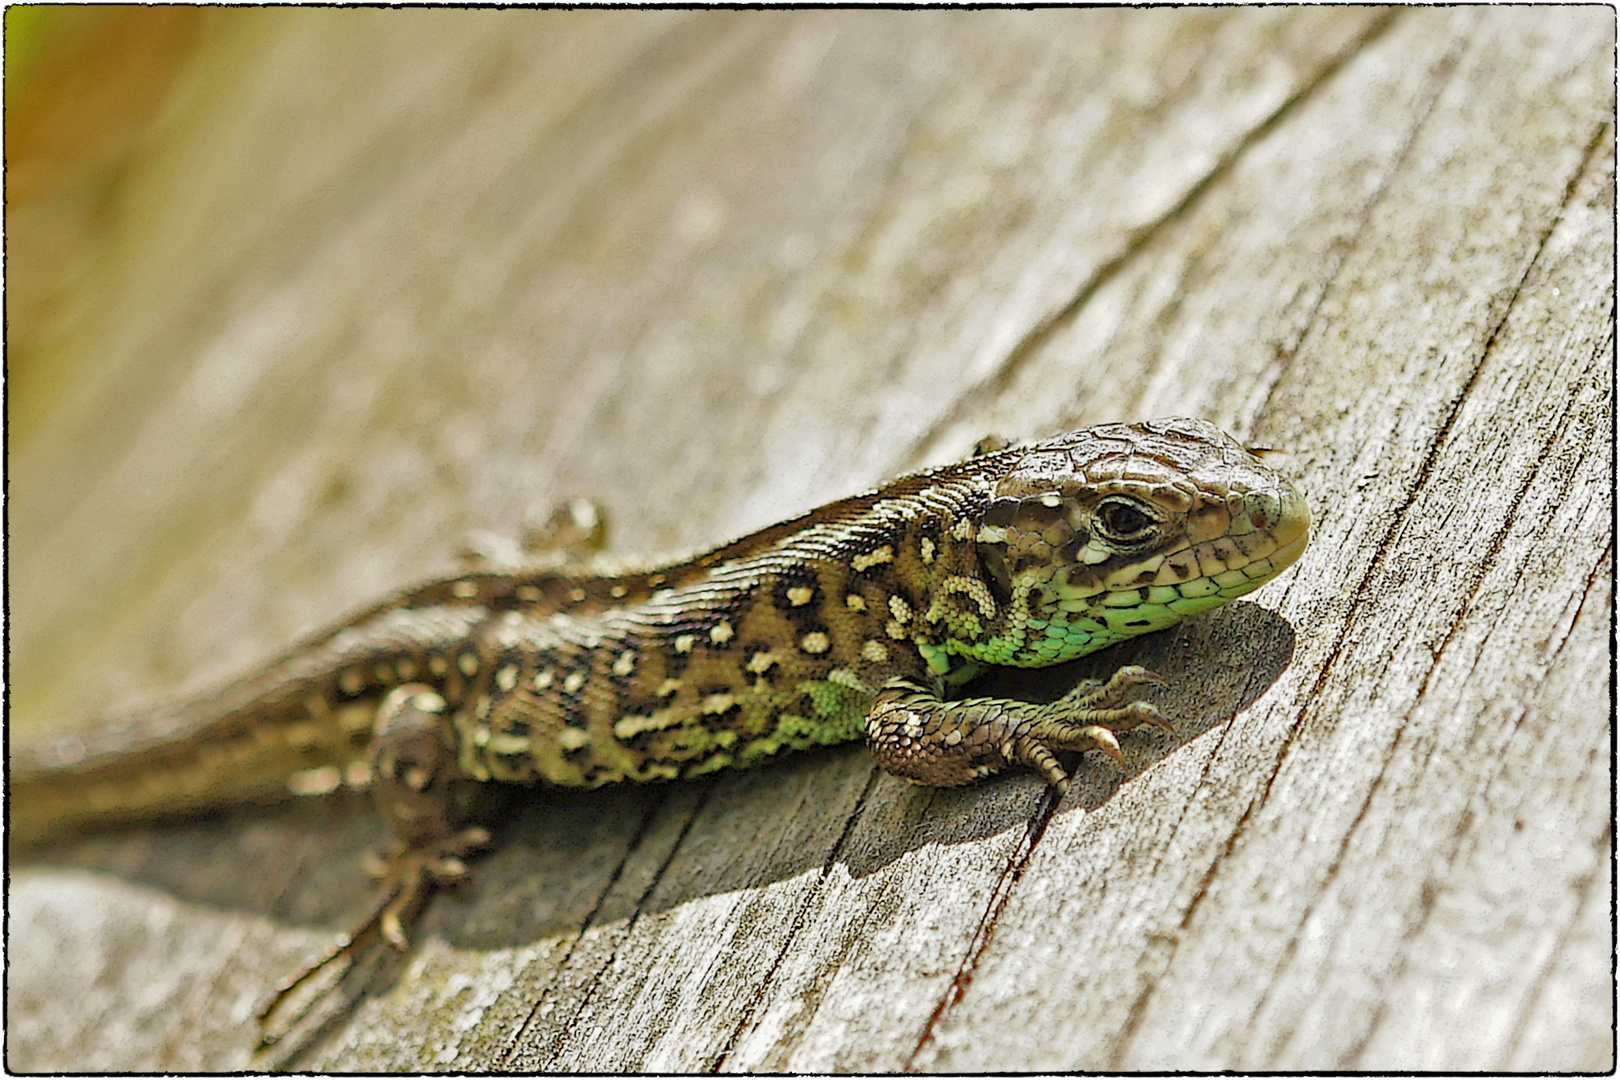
367, 280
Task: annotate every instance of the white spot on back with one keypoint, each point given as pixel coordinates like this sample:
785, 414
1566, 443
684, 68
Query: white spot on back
876, 558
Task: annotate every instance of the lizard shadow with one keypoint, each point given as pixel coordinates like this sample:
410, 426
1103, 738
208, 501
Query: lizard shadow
569, 865
1213, 667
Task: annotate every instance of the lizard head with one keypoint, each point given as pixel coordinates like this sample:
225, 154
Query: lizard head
1114, 531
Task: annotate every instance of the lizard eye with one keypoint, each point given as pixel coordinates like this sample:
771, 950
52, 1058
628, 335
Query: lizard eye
1125, 520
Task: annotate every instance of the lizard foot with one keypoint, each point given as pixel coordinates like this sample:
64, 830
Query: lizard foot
413, 766
990, 444
571, 532
1103, 703
577, 528
407, 877
915, 734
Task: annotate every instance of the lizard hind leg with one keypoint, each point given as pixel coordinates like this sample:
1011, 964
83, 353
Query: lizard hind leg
413, 768
990, 444
577, 528
574, 531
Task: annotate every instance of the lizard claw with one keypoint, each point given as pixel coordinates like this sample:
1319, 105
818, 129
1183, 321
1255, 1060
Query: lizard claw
1157, 719
1141, 676
1035, 750
1103, 704
1137, 712
1103, 739
1094, 694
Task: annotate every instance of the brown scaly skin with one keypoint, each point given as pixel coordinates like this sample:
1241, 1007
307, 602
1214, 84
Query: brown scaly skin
847, 622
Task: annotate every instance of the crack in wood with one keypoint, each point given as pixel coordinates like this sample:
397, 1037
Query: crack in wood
1000, 896
973, 398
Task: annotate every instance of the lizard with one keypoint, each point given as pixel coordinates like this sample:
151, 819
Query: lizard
859, 619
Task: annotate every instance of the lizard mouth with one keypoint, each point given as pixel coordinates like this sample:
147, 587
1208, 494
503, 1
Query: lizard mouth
1288, 525
1290, 529
1287, 554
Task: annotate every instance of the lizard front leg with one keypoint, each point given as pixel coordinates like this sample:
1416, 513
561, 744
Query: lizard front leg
915, 733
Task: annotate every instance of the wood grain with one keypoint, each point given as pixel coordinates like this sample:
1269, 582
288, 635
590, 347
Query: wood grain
368, 279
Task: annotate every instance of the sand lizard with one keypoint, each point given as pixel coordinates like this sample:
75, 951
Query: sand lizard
854, 620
